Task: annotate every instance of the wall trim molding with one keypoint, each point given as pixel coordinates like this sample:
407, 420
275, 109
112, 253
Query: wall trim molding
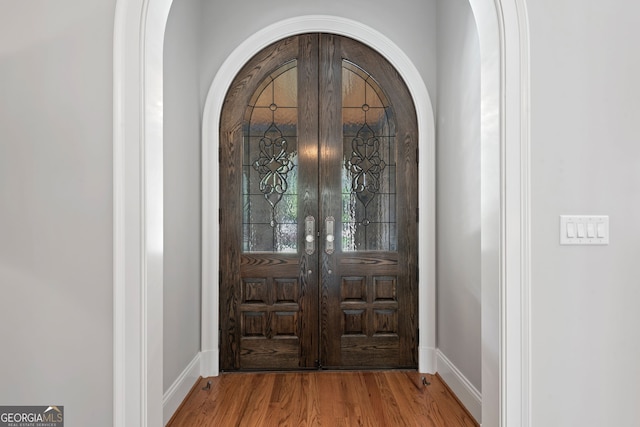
505, 211
209, 363
210, 170
175, 395
427, 357
137, 208
468, 395
138, 45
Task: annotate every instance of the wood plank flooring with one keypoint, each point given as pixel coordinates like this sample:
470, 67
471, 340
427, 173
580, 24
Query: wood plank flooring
333, 399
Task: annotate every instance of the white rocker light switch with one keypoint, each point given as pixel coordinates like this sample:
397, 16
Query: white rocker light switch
584, 229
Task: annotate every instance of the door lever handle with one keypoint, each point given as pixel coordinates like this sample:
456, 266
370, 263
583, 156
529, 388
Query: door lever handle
329, 229
310, 235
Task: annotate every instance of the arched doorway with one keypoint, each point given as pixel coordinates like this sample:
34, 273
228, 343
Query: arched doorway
138, 44
426, 176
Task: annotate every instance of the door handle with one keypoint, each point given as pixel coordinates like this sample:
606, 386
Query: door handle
329, 229
309, 235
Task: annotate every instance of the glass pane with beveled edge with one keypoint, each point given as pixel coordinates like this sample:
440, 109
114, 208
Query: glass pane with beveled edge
286, 119
380, 210
270, 163
265, 238
251, 176
369, 173
353, 87
279, 87
359, 87
376, 118
285, 89
374, 237
262, 118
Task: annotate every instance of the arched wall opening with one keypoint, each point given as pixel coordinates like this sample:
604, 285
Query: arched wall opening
211, 191
138, 173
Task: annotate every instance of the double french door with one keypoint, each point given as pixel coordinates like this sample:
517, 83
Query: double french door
318, 219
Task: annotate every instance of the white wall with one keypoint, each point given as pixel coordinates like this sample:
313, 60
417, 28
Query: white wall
56, 206
55, 194
458, 189
182, 207
585, 148
411, 27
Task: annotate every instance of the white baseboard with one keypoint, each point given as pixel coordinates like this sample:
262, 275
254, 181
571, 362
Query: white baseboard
426, 360
468, 395
175, 395
209, 363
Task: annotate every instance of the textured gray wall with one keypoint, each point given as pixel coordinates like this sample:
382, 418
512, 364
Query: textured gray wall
458, 189
56, 280
182, 208
585, 149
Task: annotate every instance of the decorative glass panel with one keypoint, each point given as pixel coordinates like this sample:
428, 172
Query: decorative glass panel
270, 177
369, 174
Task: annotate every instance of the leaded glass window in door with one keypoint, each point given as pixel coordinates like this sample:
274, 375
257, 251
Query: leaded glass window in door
269, 169
368, 178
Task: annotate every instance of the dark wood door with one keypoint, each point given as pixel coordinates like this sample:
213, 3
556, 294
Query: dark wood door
318, 219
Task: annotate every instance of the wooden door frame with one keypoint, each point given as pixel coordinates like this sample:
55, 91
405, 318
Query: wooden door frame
138, 191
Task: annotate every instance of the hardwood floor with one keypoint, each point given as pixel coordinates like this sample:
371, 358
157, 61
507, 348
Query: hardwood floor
379, 398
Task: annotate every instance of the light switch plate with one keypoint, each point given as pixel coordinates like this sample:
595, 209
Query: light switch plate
596, 229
